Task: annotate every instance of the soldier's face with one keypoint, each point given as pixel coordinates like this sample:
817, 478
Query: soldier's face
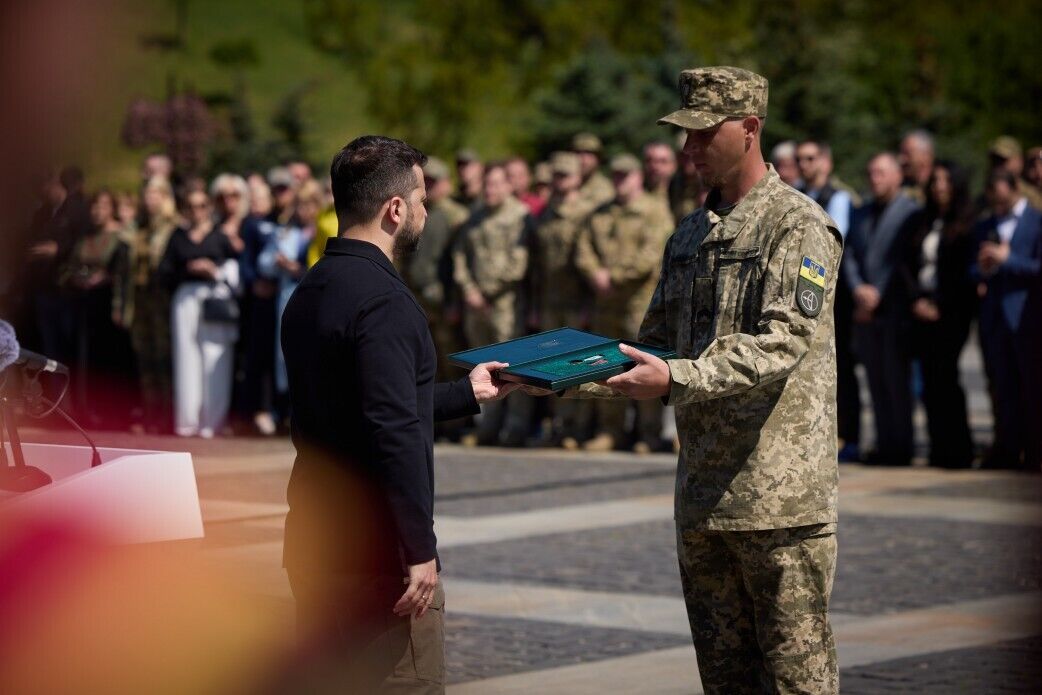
496, 187
716, 152
659, 164
627, 183
588, 161
566, 183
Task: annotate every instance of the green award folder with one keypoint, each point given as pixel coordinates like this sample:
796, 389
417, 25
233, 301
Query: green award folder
557, 359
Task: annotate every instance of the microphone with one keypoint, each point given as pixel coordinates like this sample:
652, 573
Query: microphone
9, 347
11, 353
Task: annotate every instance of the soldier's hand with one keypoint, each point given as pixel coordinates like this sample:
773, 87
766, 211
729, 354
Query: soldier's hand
475, 300
648, 379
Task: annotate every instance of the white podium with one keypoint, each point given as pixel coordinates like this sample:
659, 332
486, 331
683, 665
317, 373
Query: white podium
132, 497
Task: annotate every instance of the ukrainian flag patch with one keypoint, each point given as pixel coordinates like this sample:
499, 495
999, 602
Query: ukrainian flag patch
813, 272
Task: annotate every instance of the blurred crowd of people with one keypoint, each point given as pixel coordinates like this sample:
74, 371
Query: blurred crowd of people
165, 302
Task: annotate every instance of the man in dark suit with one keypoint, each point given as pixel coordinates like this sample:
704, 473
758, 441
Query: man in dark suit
360, 547
1008, 264
873, 255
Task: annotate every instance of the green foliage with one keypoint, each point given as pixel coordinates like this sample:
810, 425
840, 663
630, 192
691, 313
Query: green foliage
520, 76
235, 54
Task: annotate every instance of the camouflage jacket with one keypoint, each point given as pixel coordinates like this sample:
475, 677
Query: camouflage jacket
492, 253
424, 270
746, 301
554, 280
595, 192
628, 241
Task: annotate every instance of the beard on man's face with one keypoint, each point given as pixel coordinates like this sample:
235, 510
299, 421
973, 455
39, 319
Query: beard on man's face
407, 240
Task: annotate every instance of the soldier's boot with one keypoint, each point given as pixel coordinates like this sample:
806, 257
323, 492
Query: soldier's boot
642, 448
602, 442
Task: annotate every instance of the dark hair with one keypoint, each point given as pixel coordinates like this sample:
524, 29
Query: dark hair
492, 166
959, 215
367, 172
105, 193
1001, 175
823, 147
71, 177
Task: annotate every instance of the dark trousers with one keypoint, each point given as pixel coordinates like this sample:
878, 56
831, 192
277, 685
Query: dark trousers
1014, 366
882, 345
848, 392
937, 346
258, 387
352, 642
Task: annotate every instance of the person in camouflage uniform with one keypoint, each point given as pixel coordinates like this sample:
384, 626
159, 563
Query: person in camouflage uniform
489, 263
660, 166
560, 298
596, 189
745, 299
618, 252
428, 271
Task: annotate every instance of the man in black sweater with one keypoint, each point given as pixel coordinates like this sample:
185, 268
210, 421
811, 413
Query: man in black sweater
361, 367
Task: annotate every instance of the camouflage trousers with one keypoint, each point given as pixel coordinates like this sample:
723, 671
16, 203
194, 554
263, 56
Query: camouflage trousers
757, 603
571, 417
622, 322
150, 337
502, 322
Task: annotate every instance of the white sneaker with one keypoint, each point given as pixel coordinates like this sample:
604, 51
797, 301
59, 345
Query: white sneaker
264, 423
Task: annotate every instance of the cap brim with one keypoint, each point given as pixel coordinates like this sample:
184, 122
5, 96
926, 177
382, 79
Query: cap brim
690, 119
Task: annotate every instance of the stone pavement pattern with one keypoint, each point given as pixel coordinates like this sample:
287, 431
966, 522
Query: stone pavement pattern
561, 574
561, 577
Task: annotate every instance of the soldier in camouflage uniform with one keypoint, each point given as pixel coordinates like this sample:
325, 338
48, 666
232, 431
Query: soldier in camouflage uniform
560, 298
489, 263
596, 189
428, 270
619, 252
745, 299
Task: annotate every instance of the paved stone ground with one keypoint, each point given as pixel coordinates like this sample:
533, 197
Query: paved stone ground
561, 569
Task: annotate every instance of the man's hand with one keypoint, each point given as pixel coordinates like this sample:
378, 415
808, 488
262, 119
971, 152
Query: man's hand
488, 387
649, 379
44, 249
867, 297
991, 256
475, 300
926, 310
423, 579
203, 267
602, 281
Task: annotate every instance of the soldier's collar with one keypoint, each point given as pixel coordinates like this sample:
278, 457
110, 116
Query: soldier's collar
727, 228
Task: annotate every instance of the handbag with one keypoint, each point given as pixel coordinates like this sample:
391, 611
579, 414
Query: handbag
221, 308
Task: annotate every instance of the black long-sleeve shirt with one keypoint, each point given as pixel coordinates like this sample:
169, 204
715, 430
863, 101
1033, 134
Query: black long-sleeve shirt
361, 367
180, 250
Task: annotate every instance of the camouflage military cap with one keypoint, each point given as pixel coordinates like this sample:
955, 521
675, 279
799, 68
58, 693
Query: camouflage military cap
708, 96
436, 169
625, 163
587, 142
1005, 147
467, 154
566, 163
542, 173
